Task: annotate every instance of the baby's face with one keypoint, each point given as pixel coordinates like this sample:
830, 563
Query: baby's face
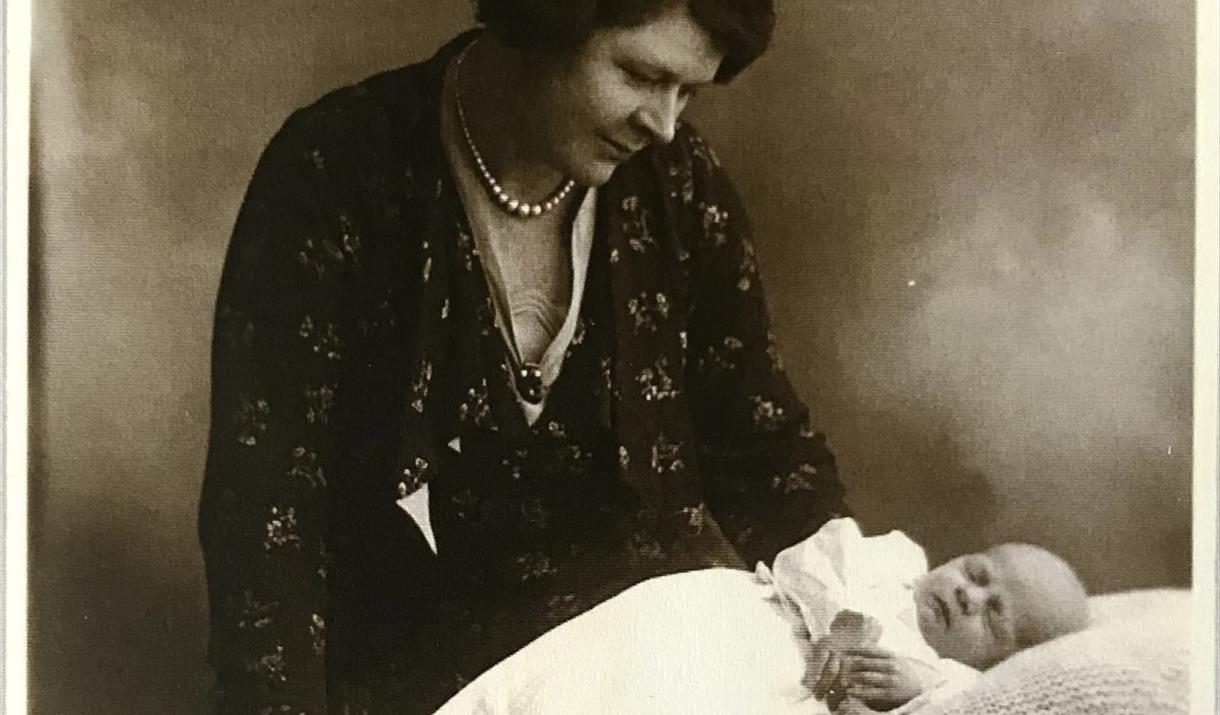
970, 608
967, 609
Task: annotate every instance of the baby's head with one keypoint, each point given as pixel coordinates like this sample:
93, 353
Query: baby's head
979, 609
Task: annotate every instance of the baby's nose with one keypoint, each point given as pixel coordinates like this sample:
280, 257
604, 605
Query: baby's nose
966, 599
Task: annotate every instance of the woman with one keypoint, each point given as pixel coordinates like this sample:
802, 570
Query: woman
491, 347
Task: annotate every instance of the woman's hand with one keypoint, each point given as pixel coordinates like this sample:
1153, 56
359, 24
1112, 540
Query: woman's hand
882, 678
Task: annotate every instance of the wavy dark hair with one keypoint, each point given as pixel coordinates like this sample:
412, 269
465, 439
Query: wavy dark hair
741, 28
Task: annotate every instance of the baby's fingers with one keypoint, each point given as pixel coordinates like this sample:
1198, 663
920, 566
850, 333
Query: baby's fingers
870, 693
878, 680
857, 664
853, 706
869, 652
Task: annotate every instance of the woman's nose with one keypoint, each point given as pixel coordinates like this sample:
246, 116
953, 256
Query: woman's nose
660, 117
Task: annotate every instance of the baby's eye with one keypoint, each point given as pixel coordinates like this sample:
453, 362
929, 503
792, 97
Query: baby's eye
980, 576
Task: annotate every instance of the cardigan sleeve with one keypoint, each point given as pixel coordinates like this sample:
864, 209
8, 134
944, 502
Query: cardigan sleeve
769, 476
277, 346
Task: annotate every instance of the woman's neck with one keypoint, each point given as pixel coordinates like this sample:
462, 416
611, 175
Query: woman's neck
497, 93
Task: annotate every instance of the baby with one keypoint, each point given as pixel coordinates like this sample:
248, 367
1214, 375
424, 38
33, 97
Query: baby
793, 637
976, 610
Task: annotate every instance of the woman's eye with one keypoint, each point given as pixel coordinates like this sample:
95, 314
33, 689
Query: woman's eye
639, 77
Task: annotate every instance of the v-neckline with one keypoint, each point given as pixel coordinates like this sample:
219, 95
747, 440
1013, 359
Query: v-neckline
580, 235
556, 354
581, 239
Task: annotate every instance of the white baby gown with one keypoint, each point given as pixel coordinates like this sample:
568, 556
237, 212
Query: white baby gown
717, 641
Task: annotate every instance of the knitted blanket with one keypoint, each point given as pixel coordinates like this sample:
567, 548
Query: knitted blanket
1134, 659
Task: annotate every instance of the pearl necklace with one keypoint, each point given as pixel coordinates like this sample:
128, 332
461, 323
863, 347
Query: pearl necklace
516, 207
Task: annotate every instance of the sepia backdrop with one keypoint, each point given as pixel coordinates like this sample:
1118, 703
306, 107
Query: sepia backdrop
973, 220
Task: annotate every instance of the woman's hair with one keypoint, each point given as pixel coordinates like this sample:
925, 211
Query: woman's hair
740, 28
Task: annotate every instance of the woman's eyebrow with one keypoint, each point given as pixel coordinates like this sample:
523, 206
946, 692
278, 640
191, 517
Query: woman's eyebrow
663, 74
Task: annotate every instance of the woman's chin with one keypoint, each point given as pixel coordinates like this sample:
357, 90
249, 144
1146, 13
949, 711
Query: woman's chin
596, 172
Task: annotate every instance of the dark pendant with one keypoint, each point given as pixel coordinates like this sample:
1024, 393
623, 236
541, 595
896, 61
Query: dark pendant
529, 383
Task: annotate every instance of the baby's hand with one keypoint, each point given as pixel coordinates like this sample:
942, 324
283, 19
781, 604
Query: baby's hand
850, 629
883, 679
825, 677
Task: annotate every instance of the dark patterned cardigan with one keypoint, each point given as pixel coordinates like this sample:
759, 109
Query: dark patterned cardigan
336, 386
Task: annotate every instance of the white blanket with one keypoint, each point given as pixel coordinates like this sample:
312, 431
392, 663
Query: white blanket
714, 641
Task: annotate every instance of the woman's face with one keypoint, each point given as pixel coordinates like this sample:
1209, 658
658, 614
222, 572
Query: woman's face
620, 91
